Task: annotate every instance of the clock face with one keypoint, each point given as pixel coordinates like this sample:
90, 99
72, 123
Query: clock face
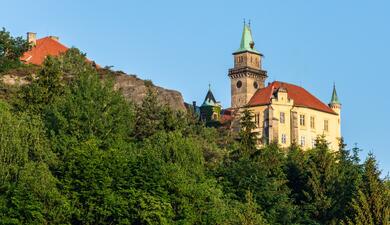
255, 85
239, 84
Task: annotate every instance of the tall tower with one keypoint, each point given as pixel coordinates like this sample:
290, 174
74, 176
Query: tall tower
247, 75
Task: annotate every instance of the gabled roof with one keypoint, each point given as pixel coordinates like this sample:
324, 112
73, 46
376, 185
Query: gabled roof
44, 47
247, 44
300, 96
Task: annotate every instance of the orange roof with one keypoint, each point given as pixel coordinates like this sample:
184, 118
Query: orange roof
44, 47
300, 96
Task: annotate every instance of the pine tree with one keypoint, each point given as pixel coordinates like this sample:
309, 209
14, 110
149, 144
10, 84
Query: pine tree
372, 203
247, 136
251, 213
148, 116
321, 188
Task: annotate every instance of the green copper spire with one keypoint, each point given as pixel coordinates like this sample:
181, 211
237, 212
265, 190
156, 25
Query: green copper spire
247, 43
335, 99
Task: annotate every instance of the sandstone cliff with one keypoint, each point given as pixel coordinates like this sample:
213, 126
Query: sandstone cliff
133, 88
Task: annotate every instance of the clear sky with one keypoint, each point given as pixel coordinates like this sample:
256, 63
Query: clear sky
185, 45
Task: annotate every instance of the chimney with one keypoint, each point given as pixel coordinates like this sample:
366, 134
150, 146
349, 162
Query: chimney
194, 105
56, 38
32, 38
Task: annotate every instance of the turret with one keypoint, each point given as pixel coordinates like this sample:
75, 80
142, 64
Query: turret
334, 102
210, 110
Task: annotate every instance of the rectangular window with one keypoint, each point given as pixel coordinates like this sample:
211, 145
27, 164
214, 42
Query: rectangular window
312, 122
282, 117
284, 139
257, 119
313, 142
326, 125
302, 141
302, 120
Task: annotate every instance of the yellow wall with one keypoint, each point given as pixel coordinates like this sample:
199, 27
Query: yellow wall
283, 104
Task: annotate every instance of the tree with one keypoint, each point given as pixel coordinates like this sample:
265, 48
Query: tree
321, 190
264, 176
11, 49
28, 189
251, 213
247, 136
371, 205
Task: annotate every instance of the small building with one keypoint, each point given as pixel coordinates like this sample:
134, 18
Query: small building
41, 48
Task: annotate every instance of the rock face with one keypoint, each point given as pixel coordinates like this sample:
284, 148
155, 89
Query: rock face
135, 89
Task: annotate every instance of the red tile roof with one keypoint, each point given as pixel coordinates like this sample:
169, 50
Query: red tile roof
227, 115
44, 47
300, 96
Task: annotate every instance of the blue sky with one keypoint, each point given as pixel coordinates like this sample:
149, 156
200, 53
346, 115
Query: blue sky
185, 45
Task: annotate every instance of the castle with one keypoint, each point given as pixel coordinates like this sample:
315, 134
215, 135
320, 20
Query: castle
283, 113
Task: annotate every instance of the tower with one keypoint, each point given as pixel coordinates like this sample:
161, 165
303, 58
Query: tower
247, 75
210, 110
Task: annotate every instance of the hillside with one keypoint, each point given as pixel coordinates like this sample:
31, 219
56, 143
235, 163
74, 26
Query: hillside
133, 88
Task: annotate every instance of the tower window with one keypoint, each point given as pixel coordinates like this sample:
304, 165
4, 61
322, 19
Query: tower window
255, 85
239, 84
284, 139
282, 117
302, 141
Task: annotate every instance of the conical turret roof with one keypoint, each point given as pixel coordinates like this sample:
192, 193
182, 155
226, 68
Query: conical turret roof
335, 98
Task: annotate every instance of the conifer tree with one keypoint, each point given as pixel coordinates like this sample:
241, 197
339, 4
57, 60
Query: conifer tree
320, 189
148, 116
371, 205
247, 136
251, 213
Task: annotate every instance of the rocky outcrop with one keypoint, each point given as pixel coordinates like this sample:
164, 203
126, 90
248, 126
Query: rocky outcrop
135, 89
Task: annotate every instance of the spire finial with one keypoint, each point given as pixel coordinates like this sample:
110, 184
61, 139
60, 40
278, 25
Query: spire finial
249, 24
244, 22
209, 86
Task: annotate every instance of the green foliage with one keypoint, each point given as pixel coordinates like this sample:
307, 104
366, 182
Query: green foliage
247, 136
11, 49
28, 189
371, 204
73, 151
263, 175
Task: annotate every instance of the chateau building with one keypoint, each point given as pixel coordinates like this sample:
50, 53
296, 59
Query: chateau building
283, 113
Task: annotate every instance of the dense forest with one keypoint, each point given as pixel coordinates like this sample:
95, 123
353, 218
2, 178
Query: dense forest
74, 151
